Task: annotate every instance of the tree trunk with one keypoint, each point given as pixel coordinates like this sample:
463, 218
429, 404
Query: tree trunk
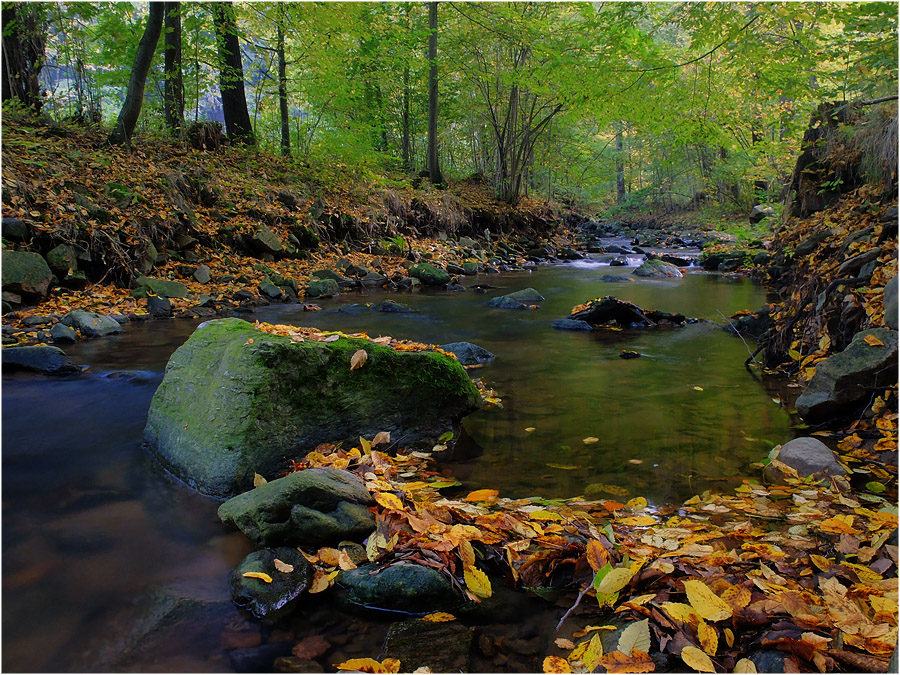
434, 169
620, 165
134, 97
282, 87
231, 75
174, 89
406, 149
24, 39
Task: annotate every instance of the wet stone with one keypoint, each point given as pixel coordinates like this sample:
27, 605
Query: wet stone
275, 598
444, 647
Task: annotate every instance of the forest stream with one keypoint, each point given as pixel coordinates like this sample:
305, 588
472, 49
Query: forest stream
101, 543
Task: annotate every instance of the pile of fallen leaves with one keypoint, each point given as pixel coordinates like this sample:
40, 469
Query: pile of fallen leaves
802, 568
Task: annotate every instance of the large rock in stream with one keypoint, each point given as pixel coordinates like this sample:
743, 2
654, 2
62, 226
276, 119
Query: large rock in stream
622, 313
236, 401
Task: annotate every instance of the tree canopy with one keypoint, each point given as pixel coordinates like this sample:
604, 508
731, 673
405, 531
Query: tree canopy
642, 103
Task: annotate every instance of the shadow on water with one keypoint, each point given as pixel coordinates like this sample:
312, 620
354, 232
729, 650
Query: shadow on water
108, 564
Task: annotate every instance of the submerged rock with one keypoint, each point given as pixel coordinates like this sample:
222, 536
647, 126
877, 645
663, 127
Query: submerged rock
845, 381
236, 401
315, 507
38, 359
517, 300
658, 269
270, 599
572, 324
468, 354
403, 586
449, 646
623, 313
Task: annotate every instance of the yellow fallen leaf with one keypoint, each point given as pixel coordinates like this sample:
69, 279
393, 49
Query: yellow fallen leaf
478, 582
358, 359
708, 605
698, 388
638, 521
745, 666
556, 664
545, 515
389, 501
366, 666
873, 341
319, 582
258, 481
283, 566
637, 503
529, 429
680, 612
697, 660
438, 617
593, 653
262, 576
615, 580
589, 440
709, 638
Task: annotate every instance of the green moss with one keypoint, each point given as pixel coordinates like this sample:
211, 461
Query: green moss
229, 407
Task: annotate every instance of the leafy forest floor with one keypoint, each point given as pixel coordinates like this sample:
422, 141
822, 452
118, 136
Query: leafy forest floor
808, 569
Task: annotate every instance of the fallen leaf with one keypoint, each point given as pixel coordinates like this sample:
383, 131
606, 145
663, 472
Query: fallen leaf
262, 576
597, 555
709, 638
344, 561
564, 643
529, 429
873, 341
389, 501
697, 660
358, 359
589, 440
635, 637
638, 521
311, 647
556, 664
319, 582
615, 580
638, 662
368, 666
593, 653
481, 495
698, 388
745, 666
283, 566
382, 437
438, 617
708, 605
258, 481
478, 582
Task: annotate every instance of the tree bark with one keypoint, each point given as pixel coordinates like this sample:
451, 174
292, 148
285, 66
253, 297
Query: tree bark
620, 165
282, 86
174, 89
134, 97
24, 40
434, 168
231, 75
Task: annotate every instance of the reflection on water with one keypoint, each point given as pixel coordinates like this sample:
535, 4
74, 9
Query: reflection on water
96, 538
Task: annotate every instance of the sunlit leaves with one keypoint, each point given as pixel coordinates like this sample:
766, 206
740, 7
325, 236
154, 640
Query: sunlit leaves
368, 665
388, 500
481, 495
478, 583
707, 604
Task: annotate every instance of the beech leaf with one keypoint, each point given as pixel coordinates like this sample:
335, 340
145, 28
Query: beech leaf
481, 495
697, 660
358, 359
709, 638
708, 605
636, 636
556, 664
389, 501
615, 580
478, 582
382, 437
593, 653
745, 666
258, 481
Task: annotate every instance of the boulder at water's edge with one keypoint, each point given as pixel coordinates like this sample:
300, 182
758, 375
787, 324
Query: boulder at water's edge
237, 401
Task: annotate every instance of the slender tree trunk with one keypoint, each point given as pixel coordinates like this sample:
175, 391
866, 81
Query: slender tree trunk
434, 168
174, 89
134, 97
24, 40
406, 150
620, 165
282, 87
231, 75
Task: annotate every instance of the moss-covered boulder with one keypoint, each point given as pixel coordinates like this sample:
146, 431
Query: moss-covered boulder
237, 401
658, 269
429, 274
25, 273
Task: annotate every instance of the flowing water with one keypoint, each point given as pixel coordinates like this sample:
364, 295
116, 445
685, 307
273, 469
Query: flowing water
98, 543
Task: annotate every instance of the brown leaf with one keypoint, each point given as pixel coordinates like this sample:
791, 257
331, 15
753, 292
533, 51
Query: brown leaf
358, 359
283, 566
638, 662
597, 555
382, 437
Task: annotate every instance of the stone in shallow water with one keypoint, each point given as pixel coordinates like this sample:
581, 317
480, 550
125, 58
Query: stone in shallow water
38, 359
448, 643
810, 457
404, 587
270, 599
467, 353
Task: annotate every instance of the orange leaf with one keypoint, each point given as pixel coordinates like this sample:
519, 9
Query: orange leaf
262, 576
481, 495
369, 666
556, 664
638, 662
873, 341
597, 555
389, 501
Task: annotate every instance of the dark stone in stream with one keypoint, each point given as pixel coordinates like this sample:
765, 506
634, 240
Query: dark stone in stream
618, 262
616, 278
403, 586
159, 307
315, 507
91, 324
243, 294
675, 260
394, 307
259, 659
612, 310
270, 599
448, 643
468, 354
38, 359
752, 325
571, 324
62, 333
517, 300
